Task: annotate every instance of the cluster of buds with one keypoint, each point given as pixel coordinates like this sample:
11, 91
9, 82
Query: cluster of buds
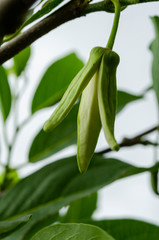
97, 81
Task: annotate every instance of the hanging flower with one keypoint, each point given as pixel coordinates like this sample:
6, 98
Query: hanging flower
97, 81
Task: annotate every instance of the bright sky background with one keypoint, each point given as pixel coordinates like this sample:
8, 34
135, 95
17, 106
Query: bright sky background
131, 197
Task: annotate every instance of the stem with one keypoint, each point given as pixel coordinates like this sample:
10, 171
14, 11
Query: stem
66, 13
69, 11
102, 6
127, 142
15, 120
24, 122
147, 89
26, 80
15, 106
22, 165
17, 128
115, 24
156, 148
1, 164
5, 135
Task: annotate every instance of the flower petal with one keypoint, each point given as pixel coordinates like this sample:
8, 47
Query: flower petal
89, 124
107, 95
75, 89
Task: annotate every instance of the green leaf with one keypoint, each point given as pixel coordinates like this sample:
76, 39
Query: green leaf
64, 135
10, 226
154, 181
67, 180
128, 229
41, 223
75, 89
21, 60
11, 178
124, 98
5, 94
72, 231
55, 81
81, 209
46, 191
154, 47
46, 8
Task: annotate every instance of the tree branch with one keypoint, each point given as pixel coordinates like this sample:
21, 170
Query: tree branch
70, 11
127, 142
12, 14
64, 14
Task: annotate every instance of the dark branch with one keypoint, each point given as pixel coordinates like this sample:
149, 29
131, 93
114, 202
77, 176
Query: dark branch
12, 14
70, 11
127, 142
64, 14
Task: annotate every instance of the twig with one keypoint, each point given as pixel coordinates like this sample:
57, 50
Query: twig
20, 166
17, 128
66, 13
127, 142
69, 11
